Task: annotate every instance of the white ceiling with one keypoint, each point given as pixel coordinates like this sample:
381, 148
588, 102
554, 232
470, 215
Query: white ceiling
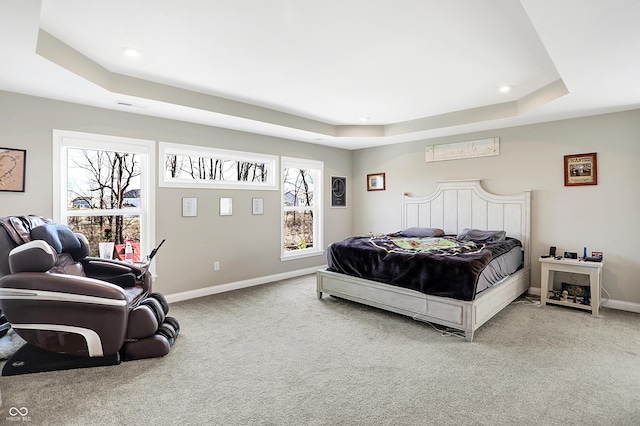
311, 70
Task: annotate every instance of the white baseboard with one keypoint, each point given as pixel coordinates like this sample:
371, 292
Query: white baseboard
609, 303
207, 291
215, 289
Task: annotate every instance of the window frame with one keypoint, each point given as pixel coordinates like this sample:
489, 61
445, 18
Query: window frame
317, 208
164, 148
65, 139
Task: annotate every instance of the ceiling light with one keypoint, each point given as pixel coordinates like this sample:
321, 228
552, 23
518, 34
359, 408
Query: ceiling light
131, 52
365, 119
505, 89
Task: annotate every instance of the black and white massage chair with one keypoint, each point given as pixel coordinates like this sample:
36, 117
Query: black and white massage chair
75, 311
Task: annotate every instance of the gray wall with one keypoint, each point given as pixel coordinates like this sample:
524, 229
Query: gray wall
602, 218
246, 246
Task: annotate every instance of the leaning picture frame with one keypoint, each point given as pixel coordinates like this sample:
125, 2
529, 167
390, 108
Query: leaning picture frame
581, 169
376, 182
13, 164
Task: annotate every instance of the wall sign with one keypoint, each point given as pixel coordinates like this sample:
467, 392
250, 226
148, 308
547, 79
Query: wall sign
469, 149
581, 169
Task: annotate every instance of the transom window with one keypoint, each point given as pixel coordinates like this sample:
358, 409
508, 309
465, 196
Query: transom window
189, 166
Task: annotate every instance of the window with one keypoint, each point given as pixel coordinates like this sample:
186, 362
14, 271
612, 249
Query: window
188, 166
102, 188
302, 208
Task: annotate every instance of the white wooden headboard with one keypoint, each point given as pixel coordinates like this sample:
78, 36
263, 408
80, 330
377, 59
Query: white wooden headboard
456, 205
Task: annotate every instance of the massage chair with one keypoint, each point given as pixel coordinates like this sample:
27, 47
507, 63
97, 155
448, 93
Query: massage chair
72, 310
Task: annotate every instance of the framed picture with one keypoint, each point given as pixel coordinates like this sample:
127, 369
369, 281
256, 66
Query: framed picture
581, 169
376, 182
338, 192
189, 207
226, 206
12, 169
257, 206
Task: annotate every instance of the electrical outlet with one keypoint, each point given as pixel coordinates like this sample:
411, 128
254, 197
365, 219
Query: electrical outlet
216, 266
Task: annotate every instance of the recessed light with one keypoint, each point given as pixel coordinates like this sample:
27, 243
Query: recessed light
131, 52
365, 119
505, 89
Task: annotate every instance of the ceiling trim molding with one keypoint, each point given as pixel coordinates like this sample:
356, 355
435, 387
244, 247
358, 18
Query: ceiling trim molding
53, 49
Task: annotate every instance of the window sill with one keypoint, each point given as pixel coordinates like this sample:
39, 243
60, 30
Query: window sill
295, 256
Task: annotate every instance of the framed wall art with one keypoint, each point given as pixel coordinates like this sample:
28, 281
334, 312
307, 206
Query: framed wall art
459, 150
376, 182
12, 169
189, 207
257, 206
226, 206
338, 192
581, 169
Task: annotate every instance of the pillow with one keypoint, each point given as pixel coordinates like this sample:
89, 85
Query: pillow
416, 232
478, 235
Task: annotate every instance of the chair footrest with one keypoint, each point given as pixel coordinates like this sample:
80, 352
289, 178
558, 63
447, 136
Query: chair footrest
31, 359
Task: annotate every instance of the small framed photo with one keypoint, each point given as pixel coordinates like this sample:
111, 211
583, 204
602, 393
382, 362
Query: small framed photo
257, 206
13, 164
226, 206
189, 207
581, 169
376, 182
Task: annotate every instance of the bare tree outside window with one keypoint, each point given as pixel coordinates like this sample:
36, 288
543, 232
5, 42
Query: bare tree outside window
179, 166
99, 181
298, 214
193, 166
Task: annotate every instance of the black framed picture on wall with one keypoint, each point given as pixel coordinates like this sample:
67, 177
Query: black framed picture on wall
338, 192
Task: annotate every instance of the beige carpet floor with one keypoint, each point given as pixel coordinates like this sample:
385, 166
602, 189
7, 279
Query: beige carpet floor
276, 355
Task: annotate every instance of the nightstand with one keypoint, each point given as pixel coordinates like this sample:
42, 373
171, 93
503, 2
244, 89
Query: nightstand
550, 265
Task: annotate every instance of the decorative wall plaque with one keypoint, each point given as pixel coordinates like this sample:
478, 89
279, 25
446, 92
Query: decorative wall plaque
458, 150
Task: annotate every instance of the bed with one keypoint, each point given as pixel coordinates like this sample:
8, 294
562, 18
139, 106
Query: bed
453, 207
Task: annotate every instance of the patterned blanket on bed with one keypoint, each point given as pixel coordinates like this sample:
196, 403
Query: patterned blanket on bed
441, 246
440, 266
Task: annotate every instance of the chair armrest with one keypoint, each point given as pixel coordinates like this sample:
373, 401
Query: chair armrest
116, 272
40, 305
60, 287
107, 266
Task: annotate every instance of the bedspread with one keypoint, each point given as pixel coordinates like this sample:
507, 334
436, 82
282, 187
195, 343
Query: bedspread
441, 266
